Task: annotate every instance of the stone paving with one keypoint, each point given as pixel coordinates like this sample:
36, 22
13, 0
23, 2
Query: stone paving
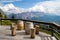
5, 34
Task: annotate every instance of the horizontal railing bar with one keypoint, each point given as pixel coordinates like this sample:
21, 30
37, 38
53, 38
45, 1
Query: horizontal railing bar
48, 23
56, 32
29, 21
56, 37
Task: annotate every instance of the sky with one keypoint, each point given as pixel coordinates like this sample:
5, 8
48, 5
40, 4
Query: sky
18, 6
22, 3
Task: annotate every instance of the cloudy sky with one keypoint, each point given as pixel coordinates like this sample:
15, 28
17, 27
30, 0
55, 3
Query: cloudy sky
47, 6
22, 3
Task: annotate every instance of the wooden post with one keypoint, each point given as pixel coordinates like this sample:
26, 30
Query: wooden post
32, 32
12, 24
13, 31
37, 29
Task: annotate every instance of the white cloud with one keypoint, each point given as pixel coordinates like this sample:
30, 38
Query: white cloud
9, 0
52, 7
11, 8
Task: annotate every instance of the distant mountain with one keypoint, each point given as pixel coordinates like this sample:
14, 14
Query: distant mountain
41, 16
26, 15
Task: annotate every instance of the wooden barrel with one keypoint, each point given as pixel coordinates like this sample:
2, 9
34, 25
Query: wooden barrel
20, 25
28, 25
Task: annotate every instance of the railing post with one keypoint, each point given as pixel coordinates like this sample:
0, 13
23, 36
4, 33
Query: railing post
51, 30
32, 32
1, 22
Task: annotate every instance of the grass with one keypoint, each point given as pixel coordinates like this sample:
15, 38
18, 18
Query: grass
5, 22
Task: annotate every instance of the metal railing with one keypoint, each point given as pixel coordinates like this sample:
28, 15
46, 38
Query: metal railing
54, 28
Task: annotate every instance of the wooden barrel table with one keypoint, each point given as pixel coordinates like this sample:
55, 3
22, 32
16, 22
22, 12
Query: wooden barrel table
28, 25
20, 25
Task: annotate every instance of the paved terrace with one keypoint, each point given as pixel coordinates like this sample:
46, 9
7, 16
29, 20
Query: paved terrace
5, 34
